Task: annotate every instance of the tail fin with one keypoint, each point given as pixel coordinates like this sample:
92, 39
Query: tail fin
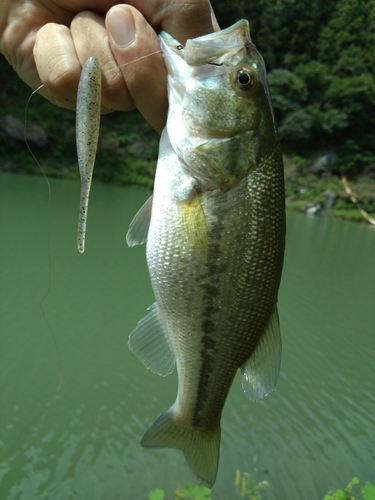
201, 449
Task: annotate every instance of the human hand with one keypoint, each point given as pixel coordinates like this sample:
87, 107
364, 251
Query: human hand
48, 42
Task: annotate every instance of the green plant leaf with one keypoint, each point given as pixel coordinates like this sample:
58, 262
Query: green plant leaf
195, 492
369, 491
340, 495
157, 494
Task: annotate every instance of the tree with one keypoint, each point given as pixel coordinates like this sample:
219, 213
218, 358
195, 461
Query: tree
321, 65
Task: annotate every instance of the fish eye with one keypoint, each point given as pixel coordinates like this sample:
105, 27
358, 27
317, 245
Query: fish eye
243, 80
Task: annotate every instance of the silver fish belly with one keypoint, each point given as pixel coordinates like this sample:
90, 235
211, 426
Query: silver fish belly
215, 241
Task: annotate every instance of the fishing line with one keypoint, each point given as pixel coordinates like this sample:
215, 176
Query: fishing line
48, 243
139, 58
48, 290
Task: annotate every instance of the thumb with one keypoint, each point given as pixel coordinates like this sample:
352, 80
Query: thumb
136, 50
184, 19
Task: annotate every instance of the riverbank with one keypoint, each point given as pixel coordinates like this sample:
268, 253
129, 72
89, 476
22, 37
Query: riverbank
326, 194
127, 154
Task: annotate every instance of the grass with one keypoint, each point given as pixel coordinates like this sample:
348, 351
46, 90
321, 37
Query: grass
248, 488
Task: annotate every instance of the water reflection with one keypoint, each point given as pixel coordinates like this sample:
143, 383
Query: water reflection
313, 433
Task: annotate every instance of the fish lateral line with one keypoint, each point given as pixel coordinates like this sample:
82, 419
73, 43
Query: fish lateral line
216, 243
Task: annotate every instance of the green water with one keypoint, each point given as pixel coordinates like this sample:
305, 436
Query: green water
81, 440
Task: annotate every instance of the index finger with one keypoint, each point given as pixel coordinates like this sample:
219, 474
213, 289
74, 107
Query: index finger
182, 19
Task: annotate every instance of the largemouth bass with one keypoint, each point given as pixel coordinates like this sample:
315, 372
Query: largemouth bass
215, 241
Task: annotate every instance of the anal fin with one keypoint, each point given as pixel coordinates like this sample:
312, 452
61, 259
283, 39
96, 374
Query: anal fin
261, 371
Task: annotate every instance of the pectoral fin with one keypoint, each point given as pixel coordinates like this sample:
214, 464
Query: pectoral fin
261, 371
139, 226
194, 223
149, 343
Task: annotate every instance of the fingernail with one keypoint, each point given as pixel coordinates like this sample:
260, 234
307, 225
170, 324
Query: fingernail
121, 25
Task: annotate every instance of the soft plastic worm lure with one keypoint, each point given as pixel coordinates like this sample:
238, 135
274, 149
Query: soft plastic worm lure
87, 134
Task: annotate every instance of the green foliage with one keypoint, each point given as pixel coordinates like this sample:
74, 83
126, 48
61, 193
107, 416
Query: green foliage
156, 494
369, 491
321, 69
353, 156
289, 93
321, 65
193, 492
189, 492
247, 487
345, 494
304, 189
352, 491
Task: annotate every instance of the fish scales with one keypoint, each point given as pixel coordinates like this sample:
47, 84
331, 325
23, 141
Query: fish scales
210, 287
215, 241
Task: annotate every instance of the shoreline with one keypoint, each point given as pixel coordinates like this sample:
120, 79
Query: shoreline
324, 196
